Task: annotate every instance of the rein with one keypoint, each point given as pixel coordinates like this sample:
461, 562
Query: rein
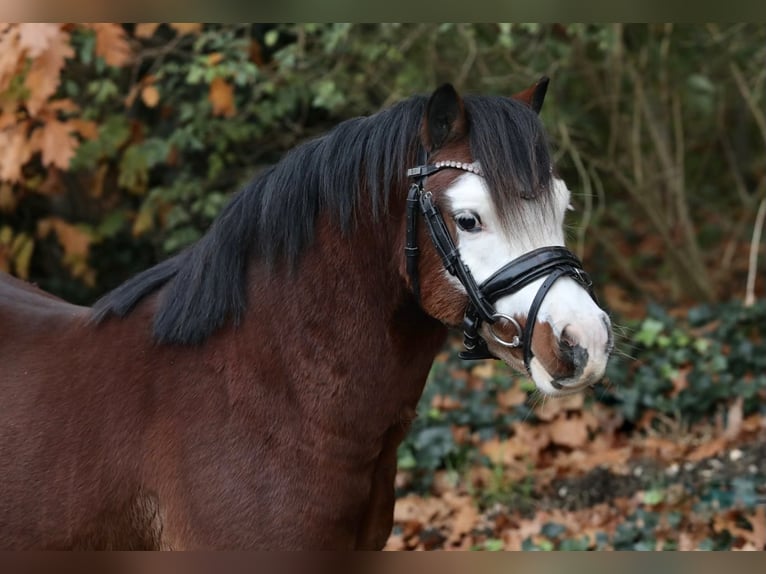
554, 261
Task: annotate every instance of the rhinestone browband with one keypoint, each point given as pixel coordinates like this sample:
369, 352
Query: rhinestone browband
472, 167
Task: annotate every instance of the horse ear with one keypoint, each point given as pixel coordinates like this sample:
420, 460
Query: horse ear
445, 117
534, 95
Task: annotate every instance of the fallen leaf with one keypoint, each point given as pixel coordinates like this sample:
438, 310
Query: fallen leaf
550, 409
571, 432
512, 397
708, 449
464, 519
413, 508
662, 448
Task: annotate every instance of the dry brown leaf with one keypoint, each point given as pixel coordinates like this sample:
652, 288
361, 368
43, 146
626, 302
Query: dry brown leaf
512, 397
150, 95
36, 38
550, 409
527, 443
572, 432
86, 128
146, 29
754, 423
484, 370
44, 75
580, 461
10, 54
60, 105
413, 508
534, 437
16, 151
222, 98
74, 240
465, 518
708, 449
662, 448
112, 44
56, 143
183, 28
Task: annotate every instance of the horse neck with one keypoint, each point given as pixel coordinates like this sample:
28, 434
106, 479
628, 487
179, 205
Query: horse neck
357, 343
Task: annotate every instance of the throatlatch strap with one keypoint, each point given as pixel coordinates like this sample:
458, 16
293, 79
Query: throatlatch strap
451, 259
411, 250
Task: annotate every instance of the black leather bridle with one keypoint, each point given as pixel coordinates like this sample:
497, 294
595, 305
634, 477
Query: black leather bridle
554, 262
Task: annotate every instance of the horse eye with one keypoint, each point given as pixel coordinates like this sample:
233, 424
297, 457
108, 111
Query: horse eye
468, 221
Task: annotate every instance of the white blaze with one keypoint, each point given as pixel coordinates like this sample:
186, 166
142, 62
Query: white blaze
567, 304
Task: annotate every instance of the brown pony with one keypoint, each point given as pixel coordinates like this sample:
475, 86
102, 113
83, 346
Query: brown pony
251, 391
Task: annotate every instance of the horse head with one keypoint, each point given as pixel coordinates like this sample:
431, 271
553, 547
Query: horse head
491, 255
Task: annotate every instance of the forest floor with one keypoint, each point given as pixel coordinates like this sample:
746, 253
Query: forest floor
574, 474
647, 493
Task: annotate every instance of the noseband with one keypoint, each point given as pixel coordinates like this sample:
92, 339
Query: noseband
555, 262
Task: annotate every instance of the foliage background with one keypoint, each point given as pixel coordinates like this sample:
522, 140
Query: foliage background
122, 142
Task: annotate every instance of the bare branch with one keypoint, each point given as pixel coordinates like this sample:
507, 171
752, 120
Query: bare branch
755, 241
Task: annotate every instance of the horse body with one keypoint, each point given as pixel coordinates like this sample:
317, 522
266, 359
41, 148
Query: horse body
231, 397
142, 445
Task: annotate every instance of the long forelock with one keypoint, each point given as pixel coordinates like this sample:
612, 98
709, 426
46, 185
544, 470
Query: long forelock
516, 159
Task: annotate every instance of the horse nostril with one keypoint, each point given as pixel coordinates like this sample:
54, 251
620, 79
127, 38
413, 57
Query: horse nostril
568, 338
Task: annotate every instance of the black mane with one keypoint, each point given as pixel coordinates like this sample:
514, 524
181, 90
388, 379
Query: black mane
272, 219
